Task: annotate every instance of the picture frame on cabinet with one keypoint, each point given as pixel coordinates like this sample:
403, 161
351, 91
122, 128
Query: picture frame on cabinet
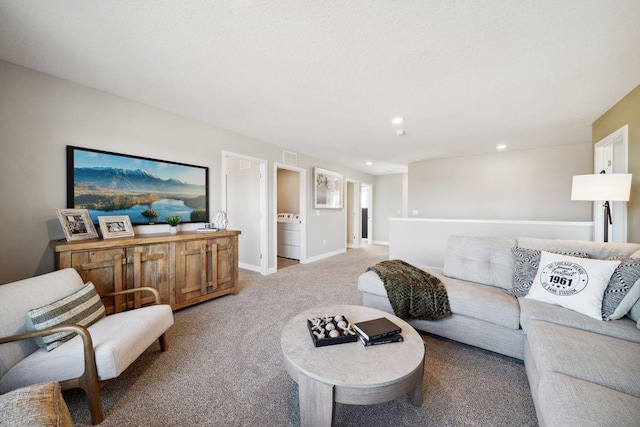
327, 189
113, 227
76, 224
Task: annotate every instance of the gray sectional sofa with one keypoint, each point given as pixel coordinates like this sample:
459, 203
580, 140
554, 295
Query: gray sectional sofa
582, 371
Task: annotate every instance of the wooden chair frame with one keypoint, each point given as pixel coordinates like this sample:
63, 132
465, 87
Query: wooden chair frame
88, 381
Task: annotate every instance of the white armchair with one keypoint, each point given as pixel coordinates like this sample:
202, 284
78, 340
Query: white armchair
98, 353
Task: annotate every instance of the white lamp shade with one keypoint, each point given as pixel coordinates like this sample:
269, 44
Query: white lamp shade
606, 187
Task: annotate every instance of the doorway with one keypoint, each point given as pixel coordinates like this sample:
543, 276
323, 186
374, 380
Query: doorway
611, 155
244, 198
290, 194
366, 206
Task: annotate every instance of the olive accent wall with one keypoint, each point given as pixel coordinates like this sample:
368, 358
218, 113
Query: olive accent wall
626, 112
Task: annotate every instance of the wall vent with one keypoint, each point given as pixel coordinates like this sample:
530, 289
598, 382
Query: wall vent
289, 157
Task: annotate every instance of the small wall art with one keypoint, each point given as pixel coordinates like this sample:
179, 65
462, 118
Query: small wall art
76, 224
327, 190
113, 227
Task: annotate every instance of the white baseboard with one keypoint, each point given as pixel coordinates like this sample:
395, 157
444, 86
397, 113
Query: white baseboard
353, 246
380, 242
323, 256
250, 267
271, 270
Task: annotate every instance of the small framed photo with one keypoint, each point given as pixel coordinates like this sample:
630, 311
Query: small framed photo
76, 224
327, 189
115, 226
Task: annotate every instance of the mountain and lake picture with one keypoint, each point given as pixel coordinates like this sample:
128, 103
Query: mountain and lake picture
147, 190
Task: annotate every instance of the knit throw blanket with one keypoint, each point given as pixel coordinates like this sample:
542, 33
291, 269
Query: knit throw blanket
413, 293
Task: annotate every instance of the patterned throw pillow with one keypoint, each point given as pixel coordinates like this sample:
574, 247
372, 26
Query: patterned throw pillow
525, 265
84, 307
574, 283
623, 290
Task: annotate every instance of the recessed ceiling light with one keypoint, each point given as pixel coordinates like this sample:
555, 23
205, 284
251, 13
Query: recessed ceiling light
501, 147
399, 132
397, 120
368, 163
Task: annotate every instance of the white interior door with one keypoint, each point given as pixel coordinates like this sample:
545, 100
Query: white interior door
611, 156
245, 204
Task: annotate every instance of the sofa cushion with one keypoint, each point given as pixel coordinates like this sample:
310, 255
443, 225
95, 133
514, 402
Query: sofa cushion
574, 283
634, 313
597, 250
83, 307
36, 405
474, 300
567, 402
624, 328
485, 260
525, 268
483, 302
603, 360
370, 283
118, 340
623, 290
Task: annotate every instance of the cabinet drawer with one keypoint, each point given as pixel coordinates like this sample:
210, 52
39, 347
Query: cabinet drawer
288, 237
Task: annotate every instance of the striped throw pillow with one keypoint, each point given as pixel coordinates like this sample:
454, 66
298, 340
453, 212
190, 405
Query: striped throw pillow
83, 307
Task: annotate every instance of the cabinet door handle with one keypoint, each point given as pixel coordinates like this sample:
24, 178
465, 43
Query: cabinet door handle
214, 266
203, 271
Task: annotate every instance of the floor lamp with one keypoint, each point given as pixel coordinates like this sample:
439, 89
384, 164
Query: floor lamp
613, 187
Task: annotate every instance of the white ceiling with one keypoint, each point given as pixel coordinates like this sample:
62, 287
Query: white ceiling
325, 77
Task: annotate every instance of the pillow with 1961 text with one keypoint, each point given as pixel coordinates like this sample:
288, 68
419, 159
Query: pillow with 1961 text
577, 284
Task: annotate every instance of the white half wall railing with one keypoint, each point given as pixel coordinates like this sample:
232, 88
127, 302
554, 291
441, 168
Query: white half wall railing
423, 241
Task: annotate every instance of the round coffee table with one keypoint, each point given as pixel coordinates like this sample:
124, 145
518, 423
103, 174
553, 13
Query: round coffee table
350, 373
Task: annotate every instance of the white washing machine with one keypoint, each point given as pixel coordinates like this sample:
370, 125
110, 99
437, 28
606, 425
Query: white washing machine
289, 235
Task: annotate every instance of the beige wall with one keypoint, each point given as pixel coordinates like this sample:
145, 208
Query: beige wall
40, 115
626, 112
388, 202
511, 185
288, 191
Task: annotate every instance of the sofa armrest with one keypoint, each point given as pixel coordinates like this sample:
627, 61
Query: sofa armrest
80, 330
154, 291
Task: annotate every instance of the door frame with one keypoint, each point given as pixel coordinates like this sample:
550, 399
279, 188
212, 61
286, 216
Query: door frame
357, 239
614, 146
302, 174
262, 268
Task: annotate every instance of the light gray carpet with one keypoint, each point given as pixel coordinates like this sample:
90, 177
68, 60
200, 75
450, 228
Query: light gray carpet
224, 365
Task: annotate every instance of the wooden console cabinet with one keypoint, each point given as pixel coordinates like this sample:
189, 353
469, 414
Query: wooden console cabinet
186, 268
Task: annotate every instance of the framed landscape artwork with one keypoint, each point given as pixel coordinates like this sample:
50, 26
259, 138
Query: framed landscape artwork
76, 224
148, 191
115, 226
327, 189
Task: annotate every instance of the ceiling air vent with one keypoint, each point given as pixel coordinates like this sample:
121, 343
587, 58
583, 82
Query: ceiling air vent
289, 157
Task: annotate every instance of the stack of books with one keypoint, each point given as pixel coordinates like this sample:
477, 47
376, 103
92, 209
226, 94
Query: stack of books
378, 331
